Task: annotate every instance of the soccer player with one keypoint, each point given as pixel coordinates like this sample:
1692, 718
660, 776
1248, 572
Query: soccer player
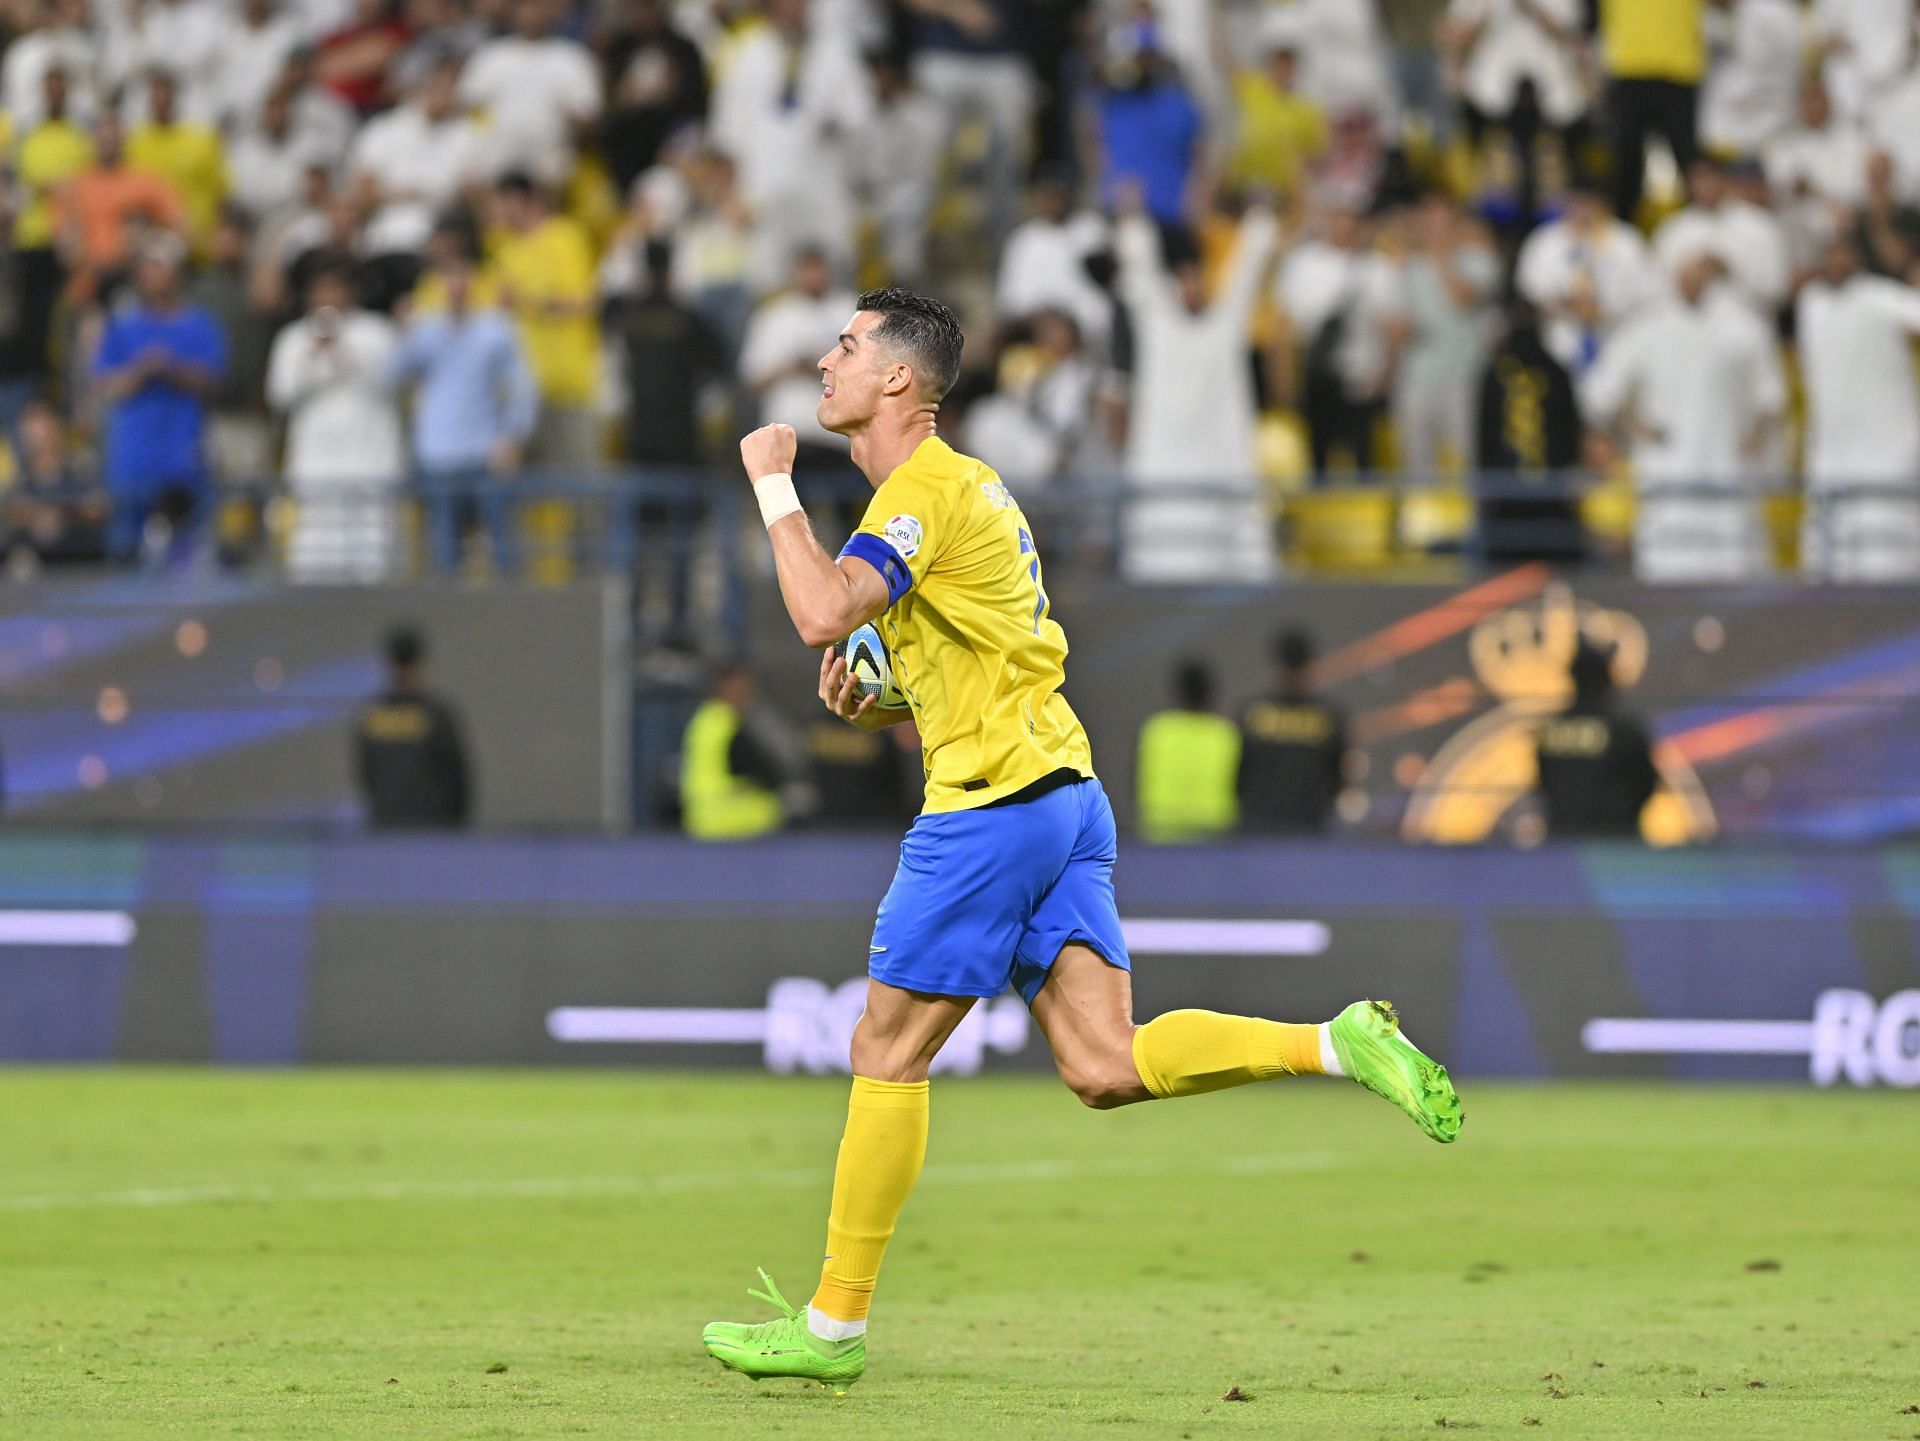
1006, 877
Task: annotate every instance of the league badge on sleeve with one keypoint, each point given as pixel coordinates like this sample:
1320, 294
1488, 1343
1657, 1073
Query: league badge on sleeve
903, 534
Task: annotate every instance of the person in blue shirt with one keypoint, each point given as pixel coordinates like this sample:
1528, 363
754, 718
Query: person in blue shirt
474, 405
159, 360
1151, 129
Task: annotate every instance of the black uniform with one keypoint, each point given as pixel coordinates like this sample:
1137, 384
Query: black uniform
860, 776
1596, 772
1290, 750
411, 763
1529, 429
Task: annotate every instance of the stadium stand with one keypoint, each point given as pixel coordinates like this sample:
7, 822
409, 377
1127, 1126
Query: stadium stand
1422, 162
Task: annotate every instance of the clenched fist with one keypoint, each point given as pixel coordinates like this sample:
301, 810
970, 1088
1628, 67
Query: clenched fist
769, 451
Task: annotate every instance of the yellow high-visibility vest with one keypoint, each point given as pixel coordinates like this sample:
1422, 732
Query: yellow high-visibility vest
716, 804
1184, 785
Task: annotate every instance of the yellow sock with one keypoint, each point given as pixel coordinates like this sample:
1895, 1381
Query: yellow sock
1187, 1053
880, 1156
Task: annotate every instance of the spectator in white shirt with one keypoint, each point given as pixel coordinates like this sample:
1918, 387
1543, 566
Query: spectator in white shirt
1894, 124
185, 39
256, 54
1745, 238
787, 107
1501, 45
538, 89
1868, 46
1334, 295
1753, 73
1855, 333
61, 38
320, 117
345, 457
1042, 420
1584, 273
1044, 264
779, 360
1346, 65
966, 55
409, 165
1448, 288
1693, 383
1193, 411
266, 161
1815, 168
897, 158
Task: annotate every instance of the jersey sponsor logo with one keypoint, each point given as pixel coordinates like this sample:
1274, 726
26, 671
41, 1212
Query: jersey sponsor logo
903, 533
996, 494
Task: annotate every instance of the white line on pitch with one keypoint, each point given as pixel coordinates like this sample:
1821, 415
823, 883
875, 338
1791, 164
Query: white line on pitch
668, 1183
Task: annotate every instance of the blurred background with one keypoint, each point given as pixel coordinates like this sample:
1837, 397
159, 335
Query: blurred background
1474, 445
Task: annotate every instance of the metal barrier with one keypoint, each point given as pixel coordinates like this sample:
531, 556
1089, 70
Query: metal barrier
681, 535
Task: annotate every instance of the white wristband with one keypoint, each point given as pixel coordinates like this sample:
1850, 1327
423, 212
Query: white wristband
777, 497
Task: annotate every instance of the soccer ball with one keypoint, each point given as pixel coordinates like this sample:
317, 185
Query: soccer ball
866, 656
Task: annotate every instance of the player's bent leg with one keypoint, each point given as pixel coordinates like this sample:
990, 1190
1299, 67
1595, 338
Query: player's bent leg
1085, 1010
880, 1157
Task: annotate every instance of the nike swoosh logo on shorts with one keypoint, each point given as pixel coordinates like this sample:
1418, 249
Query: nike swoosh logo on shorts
876, 950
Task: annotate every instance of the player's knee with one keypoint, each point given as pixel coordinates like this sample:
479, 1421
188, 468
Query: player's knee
1104, 1082
884, 1058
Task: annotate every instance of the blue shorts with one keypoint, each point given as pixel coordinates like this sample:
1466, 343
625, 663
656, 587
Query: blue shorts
984, 899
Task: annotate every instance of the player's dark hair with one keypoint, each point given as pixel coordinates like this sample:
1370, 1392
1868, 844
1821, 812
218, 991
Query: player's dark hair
1293, 648
406, 647
925, 332
1193, 685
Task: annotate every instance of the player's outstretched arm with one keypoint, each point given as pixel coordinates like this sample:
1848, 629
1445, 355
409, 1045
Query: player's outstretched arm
825, 598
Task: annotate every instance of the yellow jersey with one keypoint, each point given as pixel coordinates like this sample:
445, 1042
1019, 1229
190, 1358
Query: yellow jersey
973, 648
1654, 39
554, 261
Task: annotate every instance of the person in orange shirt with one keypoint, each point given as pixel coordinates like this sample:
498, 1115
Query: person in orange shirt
101, 213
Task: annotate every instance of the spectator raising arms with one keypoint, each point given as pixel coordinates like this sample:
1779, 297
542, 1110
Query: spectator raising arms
1193, 406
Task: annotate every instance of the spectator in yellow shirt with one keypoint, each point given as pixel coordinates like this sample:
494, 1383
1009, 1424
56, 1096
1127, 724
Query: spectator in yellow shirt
1278, 132
50, 154
187, 155
545, 269
1655, 52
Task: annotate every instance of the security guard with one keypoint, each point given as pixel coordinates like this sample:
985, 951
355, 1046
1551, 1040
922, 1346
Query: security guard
407, 748
861, 775
728, 781
1187, 761
1292, 748
1596, 765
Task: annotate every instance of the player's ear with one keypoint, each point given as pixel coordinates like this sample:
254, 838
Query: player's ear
899, 379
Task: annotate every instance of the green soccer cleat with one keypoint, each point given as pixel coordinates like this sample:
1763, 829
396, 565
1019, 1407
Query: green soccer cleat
1368, 1040
785, 1347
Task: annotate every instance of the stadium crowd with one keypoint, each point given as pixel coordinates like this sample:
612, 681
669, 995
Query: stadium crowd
1207, 249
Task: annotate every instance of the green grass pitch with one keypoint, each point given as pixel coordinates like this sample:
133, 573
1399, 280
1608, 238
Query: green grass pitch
519, 1255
